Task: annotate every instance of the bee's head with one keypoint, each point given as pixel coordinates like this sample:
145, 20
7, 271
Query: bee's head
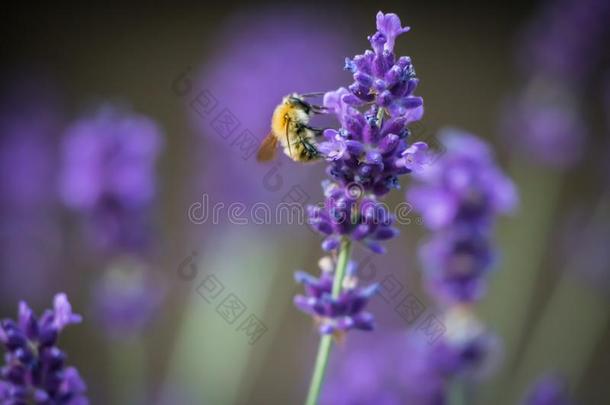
296, 101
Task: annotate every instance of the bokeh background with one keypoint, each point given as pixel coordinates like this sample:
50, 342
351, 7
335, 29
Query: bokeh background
532, 78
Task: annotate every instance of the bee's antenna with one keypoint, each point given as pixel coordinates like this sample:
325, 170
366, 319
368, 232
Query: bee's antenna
316, 94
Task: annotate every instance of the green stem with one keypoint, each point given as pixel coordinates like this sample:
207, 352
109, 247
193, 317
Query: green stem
344, 254
128, 359
326, 341
458, 392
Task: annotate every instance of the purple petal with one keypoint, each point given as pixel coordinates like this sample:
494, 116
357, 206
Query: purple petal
375, 247
63, 315
437, 207
304, 303
333, 150
416, 156
331, 243
364, 321
386, 233
390, 26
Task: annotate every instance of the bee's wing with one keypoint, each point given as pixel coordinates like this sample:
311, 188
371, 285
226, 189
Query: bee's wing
268, 148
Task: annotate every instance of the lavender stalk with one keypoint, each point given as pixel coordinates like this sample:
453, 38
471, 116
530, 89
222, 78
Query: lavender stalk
366, 156
326, 341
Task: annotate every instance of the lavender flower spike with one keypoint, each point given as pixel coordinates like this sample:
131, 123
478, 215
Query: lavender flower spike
370, 151
335, 315
464, 185
108, 176
365, 155
35, 370
459, 198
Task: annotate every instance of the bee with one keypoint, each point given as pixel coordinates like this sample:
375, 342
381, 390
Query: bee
291, 130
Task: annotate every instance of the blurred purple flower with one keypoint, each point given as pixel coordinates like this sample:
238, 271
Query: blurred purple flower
456, 261
466, 352
368, 371
30, 238
545, 125
548, 390
335, 315
558, 52
565, 39
459, 197
108, 175
403, 368
35, 369
463, 185
126, 298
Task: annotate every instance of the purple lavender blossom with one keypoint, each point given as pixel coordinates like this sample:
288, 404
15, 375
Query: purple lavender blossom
109, 175
370, 150
345, 212
545, 125
35, 367
335, 315
548, 390
466, 351
127, 298
459, 197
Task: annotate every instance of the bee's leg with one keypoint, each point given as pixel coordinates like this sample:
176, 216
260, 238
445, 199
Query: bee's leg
316, 131
301, 127
310, 149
